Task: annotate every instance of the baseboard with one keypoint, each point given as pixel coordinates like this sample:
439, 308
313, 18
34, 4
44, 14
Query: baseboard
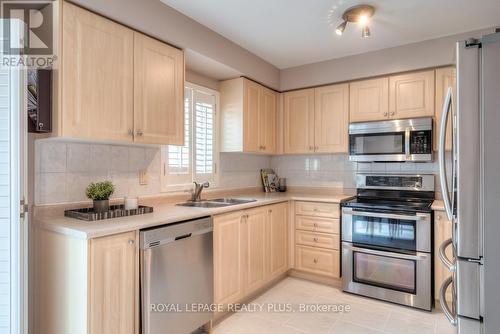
331, 281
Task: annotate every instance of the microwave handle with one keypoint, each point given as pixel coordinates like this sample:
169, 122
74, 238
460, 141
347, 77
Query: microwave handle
441, 154
407, 142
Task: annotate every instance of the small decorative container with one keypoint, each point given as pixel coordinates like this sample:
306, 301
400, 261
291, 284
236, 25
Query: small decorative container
101, 205
131, 203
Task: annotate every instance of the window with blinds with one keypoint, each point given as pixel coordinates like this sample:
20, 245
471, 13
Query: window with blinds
196, 160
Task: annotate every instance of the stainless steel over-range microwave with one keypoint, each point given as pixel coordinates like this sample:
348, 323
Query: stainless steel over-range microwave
394, 140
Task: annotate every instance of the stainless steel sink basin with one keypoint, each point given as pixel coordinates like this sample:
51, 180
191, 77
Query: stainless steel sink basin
217, 203
232, 201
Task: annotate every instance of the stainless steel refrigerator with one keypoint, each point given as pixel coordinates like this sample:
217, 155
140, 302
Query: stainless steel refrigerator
471, 189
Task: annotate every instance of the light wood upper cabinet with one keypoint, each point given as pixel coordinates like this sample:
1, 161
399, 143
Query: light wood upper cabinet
268, 118
298, 116
158, 92
442, 232
411, 95
248, 117
445, 77
331, 118
96, 77
254, 224
113, 286
277, 236
252, 116
369, 100
228, 267
117, 84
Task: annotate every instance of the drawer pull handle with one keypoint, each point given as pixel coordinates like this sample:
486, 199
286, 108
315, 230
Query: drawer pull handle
315, 260
315, 225
315, 239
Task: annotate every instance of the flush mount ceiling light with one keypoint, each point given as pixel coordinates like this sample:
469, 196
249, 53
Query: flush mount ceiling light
358, 14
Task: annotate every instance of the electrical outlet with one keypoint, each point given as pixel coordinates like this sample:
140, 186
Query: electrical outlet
143, 177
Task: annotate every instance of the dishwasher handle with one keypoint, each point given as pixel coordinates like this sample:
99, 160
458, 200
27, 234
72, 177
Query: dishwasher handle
155, 237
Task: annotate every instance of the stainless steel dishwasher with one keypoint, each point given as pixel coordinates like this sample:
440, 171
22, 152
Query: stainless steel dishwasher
176, 276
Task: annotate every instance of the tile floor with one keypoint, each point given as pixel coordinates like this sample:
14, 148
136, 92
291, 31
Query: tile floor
367, 316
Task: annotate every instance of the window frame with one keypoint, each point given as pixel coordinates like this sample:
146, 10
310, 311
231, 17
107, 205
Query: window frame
166, 184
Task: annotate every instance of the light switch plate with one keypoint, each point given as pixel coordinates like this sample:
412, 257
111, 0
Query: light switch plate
143, 177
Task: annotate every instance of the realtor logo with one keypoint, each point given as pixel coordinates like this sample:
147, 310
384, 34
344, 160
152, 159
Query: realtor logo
35, 36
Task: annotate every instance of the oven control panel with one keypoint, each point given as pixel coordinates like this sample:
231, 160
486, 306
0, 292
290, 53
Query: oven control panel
394, 181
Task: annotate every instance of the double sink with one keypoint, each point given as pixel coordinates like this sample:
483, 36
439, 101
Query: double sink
217, 203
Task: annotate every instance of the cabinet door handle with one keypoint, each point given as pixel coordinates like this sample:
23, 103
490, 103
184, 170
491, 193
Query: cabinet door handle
315, 260
131, 242
392, 113
315, 239
386, 114
315, 225
130, 132
139, 133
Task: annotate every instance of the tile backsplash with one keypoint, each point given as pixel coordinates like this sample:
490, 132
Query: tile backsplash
335, 170
63, 169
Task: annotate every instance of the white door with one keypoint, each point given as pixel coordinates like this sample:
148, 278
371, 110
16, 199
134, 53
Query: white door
13, 230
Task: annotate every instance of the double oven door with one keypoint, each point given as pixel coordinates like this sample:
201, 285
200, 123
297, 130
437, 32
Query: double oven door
387, 255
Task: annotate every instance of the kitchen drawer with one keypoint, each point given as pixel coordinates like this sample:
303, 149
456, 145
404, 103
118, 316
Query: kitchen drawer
314, 224
318, 261
323, 240
316, 209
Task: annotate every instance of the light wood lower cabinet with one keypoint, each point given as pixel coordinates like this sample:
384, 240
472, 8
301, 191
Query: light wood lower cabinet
277, 239
254, 244
85, 286
113, 294
250, 249
317, 238
442, 232
317, 261
228, 257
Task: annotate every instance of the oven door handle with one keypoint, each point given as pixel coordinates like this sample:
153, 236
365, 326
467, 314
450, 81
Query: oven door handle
382, 215
418, 257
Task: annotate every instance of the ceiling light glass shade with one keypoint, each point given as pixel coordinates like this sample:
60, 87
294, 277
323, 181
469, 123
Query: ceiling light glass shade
366, 32
363, 19
340, 29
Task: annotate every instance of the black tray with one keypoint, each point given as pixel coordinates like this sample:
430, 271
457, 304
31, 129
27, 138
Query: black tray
115, 211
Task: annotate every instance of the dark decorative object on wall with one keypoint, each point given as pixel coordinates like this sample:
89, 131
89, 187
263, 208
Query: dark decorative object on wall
39, 95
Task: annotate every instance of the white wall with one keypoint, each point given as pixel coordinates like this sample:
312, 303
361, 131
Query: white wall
163, 22
431, 53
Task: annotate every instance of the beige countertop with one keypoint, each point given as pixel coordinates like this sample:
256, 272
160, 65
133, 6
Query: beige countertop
438, 205
164, 213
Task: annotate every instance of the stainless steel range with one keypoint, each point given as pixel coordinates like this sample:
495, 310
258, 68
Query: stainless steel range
386, 239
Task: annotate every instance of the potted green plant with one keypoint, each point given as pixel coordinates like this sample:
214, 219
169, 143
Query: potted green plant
100, 192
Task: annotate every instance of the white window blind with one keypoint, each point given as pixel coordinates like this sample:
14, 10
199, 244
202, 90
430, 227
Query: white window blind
196, 160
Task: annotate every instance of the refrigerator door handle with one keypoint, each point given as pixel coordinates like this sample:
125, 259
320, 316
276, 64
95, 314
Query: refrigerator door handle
441, 154
452, 318
449, 264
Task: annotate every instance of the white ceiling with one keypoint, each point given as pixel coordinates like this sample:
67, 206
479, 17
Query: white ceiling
289, 33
